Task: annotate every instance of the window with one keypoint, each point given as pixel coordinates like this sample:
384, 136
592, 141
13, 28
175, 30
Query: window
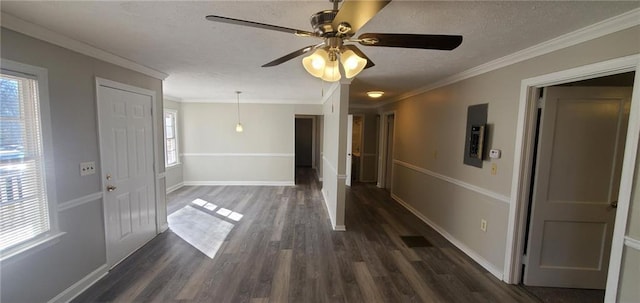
25, 213
170, 138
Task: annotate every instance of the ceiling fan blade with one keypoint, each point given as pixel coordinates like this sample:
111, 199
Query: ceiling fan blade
358, 13
292, 55
360, 54
228, 20
441, 42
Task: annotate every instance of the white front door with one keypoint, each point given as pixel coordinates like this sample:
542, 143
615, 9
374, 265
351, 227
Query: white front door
349, 148
126, 149
576, 183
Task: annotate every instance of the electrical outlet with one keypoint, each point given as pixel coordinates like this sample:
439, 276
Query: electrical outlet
87, 168
483, 225
494, 169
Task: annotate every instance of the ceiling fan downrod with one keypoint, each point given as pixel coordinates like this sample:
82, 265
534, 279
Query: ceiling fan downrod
335, 4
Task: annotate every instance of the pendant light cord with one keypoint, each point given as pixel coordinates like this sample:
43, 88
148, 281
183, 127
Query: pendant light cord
238, 99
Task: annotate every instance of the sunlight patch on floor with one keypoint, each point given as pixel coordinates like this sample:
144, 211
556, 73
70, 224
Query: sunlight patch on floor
203, 227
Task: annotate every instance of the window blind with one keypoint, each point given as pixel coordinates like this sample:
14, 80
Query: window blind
171, 149
24, 212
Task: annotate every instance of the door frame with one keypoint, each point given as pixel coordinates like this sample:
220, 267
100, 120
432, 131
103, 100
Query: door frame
523, 154
161, 225
348, 169
362, 126
382, 158
535, 272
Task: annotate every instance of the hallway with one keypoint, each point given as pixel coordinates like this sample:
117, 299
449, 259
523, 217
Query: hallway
282, 249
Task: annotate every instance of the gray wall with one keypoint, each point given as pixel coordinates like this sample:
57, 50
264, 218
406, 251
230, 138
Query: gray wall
214, 153
41, 275
334, 151
173, 175
429, 175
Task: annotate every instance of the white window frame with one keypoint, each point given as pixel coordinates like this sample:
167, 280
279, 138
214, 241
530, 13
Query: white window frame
175, 135
53, 235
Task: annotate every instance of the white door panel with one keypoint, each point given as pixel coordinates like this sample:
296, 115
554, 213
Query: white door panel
126, 144
581, 143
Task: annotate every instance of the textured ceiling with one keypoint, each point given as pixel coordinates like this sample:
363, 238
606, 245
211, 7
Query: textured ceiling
210, 61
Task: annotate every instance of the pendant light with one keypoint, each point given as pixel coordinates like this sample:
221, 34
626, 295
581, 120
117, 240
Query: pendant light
239, 128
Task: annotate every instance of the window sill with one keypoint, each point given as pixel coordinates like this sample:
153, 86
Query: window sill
172, 165
31, 247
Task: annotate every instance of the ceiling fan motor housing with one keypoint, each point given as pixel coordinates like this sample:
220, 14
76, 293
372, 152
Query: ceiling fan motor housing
321, 23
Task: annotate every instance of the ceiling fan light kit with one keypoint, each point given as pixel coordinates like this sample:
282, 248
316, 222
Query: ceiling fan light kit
337, 28
316, 63
320, 65
331, 72
352, 63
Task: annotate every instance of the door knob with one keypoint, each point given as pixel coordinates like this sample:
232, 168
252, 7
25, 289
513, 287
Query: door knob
614, 204
111, 188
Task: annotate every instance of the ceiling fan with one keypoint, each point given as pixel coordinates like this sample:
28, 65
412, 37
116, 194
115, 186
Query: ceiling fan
337, 28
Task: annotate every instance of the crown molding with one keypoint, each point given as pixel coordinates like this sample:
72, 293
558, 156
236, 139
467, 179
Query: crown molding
253, 101
39, 32
172, 98
596, 30
364, 106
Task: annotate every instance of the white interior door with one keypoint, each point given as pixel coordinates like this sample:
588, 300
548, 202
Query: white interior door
126, 148
579, 161
349, 148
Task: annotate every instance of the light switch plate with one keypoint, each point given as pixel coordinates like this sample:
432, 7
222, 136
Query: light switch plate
87, 168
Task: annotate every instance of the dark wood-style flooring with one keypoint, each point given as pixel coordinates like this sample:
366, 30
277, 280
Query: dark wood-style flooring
284, 250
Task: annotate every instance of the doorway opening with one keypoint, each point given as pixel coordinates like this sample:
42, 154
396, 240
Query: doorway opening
576, 154
387, 134
305, 143
355, 145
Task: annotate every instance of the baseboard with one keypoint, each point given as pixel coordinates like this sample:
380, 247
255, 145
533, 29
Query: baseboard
468, 251
163, 228
175, 187
317, 175
339, 228
239, 183
80, 286
326, 208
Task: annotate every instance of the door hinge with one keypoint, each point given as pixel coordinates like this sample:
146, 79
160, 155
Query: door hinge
525, 259
540, 102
